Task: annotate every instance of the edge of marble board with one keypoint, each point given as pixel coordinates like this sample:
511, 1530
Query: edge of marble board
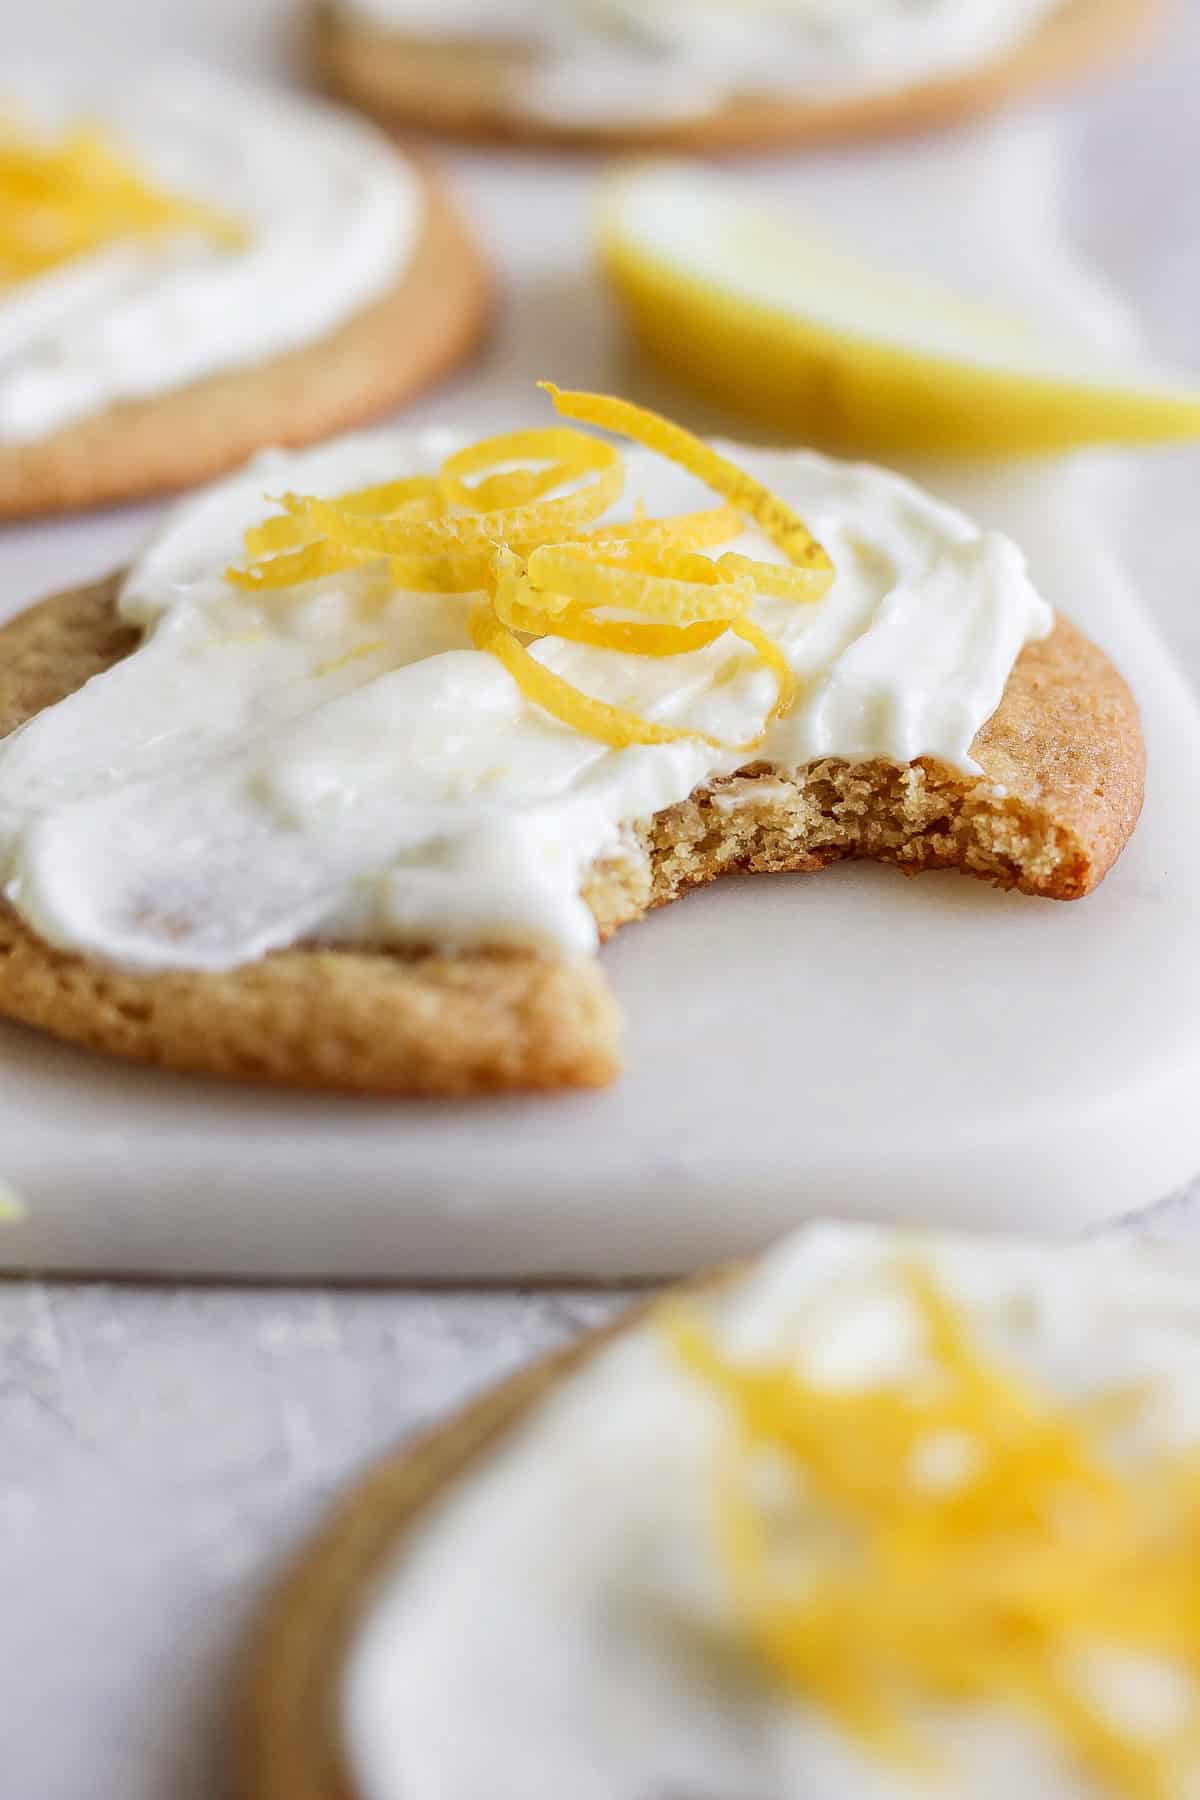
293, 1210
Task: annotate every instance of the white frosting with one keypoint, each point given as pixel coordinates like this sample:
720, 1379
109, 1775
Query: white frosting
562, 1625
332, 215
237, 784
615, 61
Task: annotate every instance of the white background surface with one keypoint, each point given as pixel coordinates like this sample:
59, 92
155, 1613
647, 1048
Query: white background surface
161, 1449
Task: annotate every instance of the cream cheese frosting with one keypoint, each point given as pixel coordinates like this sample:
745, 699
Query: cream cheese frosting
338, 762
614, 61
331, 213
563, 1624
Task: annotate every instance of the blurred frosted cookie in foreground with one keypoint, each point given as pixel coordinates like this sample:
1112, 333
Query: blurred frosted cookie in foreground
192, 267
703, 73
883, 1517
781, 326
346, 779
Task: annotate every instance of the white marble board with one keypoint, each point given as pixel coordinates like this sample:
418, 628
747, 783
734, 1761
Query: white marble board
853, 1042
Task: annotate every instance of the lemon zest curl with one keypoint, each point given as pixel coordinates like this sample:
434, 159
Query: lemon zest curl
518, 521
880, 1597
66, 197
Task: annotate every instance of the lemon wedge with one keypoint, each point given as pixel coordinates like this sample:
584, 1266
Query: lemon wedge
760, 316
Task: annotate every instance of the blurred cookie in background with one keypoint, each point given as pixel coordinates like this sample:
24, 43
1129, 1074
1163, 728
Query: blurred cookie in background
705, 74
884, 1515
192, 267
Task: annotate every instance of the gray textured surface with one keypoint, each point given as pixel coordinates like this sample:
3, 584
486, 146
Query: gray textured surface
160, 1449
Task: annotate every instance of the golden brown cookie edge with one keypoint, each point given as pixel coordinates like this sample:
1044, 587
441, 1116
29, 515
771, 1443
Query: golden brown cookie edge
1063, 750
337, 1019
409, 84
427, 323
286, 1731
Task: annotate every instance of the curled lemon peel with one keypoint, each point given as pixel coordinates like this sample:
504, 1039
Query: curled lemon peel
291, 569
632, 576
280, 532
65, 197
611, 725
464, 572
356, 654
781, 580
771, 514
694, 530
518, 520
673, 585
579, 626
880, 1593
290, 532
566, 455
392, 537
411, 492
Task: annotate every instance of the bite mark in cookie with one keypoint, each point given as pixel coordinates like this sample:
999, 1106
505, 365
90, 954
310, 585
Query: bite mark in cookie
355, 809
1060, 790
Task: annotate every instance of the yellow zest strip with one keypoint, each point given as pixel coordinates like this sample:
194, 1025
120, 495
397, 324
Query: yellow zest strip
776, 661
293, 568
519, 608
280, 532
350, 656
568, 455
416, 496
464, 572
654, 432
468, 572
783, 581
60, 199
691, 531
544, 564
461, 572
517, 603
978, 1589
578, 625
595, 718
672, 585
468, 531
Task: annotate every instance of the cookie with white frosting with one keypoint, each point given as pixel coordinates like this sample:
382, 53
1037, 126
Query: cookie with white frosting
194, 267
349, 793
884, 1515
704, 74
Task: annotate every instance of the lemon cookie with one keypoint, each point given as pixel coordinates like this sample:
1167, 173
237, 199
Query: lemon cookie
198, 267
704, 74
346, 788
884, 1514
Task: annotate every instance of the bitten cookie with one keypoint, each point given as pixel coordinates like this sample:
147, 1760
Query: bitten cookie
487, 85
296, 277
348, 794
1062, 763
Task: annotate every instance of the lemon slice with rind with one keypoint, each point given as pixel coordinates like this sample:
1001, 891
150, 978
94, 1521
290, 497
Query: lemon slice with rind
747, 308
